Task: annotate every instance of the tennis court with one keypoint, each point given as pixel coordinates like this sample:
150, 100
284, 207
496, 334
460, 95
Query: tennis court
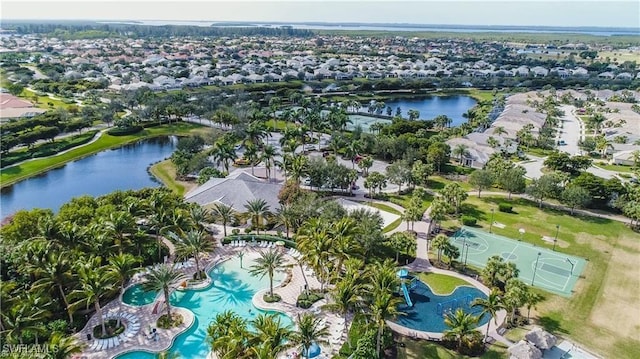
546, 269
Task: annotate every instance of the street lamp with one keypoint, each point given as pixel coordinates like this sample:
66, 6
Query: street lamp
491, 224
535, 268
572, 264
556, 237
465, 256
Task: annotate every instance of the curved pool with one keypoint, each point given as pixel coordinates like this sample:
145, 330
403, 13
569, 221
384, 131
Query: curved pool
137, 297
427, 313
232, 289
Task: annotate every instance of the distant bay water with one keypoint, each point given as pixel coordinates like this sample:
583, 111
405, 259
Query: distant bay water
597, 31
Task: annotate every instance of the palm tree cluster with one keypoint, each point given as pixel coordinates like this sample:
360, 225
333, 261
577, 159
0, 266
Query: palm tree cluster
59, 267
264, 337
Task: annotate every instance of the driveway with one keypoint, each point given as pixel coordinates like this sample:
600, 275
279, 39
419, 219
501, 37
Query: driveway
533, 166
571, 132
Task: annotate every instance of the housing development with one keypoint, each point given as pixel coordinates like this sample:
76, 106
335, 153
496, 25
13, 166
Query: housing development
261, 192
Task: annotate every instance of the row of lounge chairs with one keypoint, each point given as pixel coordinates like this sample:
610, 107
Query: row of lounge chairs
260, 244
132, 328
294, 253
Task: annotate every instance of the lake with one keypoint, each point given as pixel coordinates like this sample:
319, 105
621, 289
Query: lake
432, 106
121, 168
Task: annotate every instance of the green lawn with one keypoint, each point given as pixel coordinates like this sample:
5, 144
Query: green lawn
592, 315
165, 172
384, 207
442, 284
393, 225
617, 168
422, 349
14, 174
44, 101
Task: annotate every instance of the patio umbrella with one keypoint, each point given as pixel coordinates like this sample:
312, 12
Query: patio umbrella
541, 338
524, 350
314, 351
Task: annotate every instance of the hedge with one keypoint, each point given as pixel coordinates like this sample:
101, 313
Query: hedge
124, 131
468, 221
505, 207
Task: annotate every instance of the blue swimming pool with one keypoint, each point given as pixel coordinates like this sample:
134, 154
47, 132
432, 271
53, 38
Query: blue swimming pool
428, 308
232, 289
136, 296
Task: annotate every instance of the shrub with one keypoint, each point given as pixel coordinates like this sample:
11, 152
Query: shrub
271, 298
112, 330
235, 231
306, 300
505, 207
468, 221
247, 230
164, 322
58, 325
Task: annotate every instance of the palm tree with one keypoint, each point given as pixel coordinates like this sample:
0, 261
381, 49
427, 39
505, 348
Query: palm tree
272, 333
268, 154
95, 284
352, 150
298, 167
192, 244
257, 209
462, 326
285, 215
20, 318
63, 347
346, 296
161, 279
224, 152
310, 330
531, 299
499, 130
490, 306
460, 150
224, 214
122, 267
56, 274
228, 335
439, 243
343, 234
384, 306
314, 242
120, 225
267, 264
251, 155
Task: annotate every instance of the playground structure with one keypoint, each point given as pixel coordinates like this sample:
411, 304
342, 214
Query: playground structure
450, 306
408, 283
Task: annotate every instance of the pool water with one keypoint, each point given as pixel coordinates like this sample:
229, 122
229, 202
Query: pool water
424, 315
232, 289
136, 296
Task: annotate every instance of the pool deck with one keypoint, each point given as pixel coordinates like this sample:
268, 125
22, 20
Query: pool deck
146, 320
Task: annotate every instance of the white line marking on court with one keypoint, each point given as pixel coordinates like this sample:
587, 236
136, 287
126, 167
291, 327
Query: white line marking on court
514, 249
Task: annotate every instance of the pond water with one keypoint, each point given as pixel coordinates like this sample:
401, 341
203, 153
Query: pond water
122, 168
432, 106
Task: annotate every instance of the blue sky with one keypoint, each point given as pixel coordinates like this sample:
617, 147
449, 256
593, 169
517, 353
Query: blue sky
463, 12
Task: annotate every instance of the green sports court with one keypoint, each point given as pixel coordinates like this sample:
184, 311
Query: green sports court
553, 271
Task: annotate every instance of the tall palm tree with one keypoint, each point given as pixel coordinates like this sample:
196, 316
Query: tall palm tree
298, 167
285, 215
95, 284
267, 264
228, 335
120, 225
490, 306
224, 153
268, 155
191, 244
224, 214
56, 274
22, 317
346, 297
122, 267
251, 155
310, 330
271, 332
462, 326
314, 243
199, 215
439, 243
460, 150
161, 279
257, 209
63, 347
499, 130
343, 233
384, 306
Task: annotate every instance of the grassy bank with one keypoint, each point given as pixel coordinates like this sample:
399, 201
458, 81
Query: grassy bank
28, 169
165, 172
442, 284
603, 313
